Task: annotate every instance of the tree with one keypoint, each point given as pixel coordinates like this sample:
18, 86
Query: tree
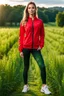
2, 15
60, 19
51, 14
43, 16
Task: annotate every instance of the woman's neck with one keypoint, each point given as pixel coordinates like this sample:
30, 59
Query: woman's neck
31, 16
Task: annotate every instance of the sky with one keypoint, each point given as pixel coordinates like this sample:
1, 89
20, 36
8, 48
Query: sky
40, 3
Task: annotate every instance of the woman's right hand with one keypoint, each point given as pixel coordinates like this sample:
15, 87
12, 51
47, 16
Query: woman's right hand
21, 54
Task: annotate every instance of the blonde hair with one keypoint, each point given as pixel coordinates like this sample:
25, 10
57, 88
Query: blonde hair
26, 14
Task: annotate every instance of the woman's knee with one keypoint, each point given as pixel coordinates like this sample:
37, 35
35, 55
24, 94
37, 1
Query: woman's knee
42, 66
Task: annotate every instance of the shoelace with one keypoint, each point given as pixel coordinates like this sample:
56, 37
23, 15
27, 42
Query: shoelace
46, 88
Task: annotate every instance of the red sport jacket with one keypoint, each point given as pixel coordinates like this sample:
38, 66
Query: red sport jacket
32, 34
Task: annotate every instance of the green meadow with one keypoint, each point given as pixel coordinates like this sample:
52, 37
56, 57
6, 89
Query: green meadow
11, 64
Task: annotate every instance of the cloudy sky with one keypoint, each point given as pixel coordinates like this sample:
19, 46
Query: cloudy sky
41, 3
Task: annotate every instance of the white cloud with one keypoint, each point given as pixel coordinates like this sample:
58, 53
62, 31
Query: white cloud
41, 3
16, 0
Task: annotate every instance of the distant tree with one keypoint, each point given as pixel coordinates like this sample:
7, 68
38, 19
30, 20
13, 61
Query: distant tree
18, 11
60, 19
2, 15
13, 14
7, 11
10, 14
16, 14
51, 14
43, 16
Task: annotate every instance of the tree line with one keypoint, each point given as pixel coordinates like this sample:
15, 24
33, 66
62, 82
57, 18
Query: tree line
12, 15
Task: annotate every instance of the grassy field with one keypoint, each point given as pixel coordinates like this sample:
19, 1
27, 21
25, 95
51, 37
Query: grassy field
11, 64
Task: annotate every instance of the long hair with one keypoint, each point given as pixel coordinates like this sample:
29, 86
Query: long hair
26, 14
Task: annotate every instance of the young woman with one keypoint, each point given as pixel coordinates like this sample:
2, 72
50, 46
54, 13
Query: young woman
31, 40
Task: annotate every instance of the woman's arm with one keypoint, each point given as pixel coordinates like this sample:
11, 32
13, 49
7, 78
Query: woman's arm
21, 34
42, 35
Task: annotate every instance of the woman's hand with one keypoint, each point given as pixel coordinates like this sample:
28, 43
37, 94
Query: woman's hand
21, 54
39, 48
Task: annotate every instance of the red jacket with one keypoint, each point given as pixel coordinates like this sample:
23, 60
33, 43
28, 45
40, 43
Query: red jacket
32, 34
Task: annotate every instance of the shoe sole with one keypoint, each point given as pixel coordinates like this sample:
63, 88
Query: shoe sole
44, 92
25, 91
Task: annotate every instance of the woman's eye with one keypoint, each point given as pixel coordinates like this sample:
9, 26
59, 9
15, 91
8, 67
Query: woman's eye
28, 7
32, 7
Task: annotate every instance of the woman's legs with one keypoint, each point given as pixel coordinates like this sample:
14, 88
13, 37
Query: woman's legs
38, 57
26, 54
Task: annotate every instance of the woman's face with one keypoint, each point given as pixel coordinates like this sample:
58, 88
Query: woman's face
31, 9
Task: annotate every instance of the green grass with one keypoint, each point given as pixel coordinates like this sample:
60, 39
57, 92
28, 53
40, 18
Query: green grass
50, 24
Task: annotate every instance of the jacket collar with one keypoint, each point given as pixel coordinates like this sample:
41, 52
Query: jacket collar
29, 18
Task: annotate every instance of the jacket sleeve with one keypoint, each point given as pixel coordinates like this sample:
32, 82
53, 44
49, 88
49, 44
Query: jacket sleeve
21, 34
42, 35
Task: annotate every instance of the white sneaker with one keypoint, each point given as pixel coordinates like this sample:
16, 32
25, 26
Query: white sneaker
45, 89
25, 88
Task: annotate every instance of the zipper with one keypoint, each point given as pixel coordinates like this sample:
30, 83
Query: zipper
32, 33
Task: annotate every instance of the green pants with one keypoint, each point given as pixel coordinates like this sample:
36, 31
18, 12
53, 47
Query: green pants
39, 59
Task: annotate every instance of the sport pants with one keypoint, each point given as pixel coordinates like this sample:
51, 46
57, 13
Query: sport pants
39, 59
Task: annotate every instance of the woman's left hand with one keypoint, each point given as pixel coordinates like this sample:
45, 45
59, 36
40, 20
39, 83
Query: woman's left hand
39, 48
